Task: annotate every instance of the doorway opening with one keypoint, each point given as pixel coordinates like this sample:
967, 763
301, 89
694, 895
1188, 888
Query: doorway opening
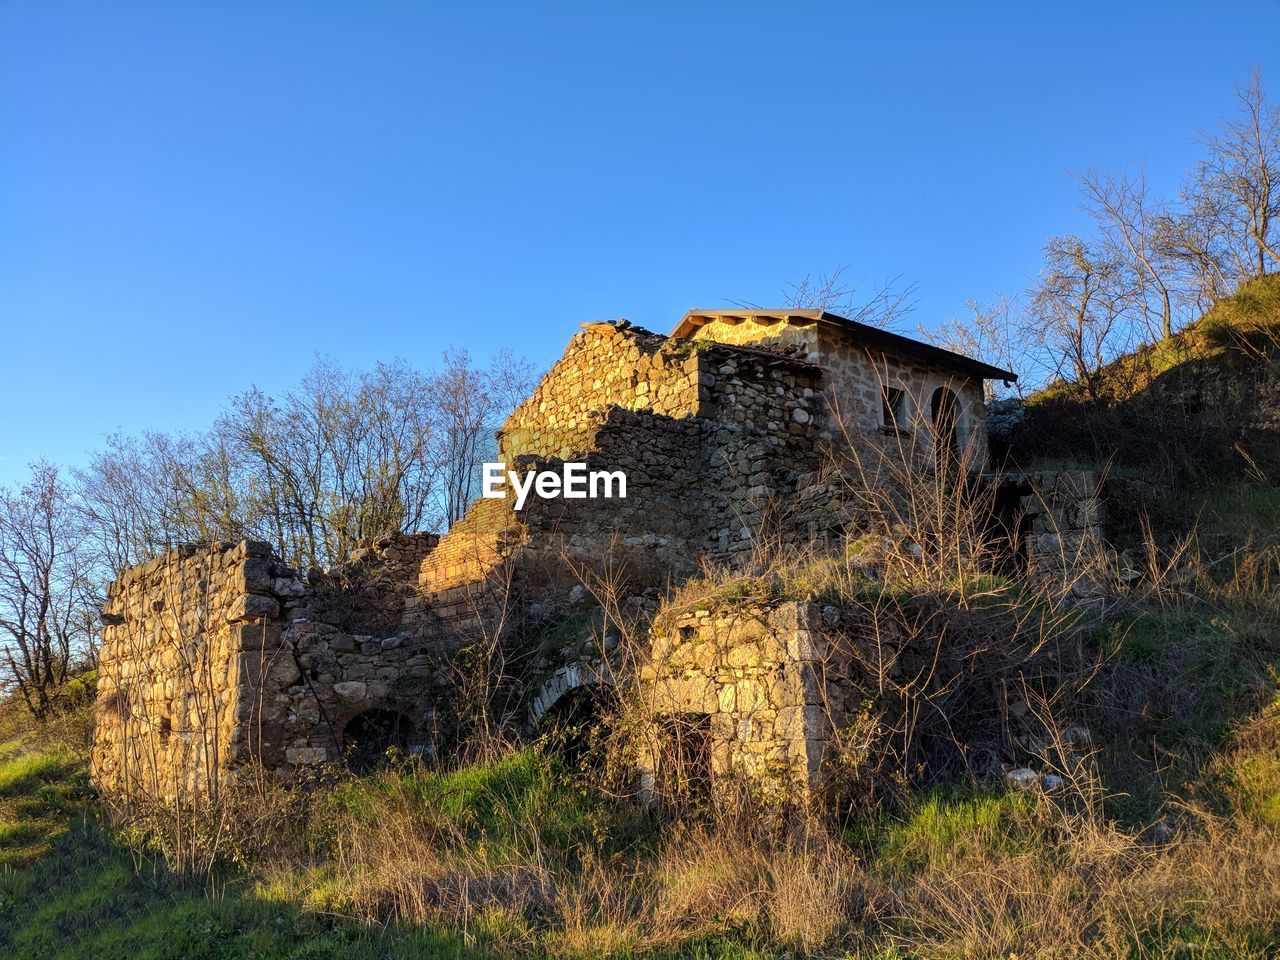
683, 781
577, 726
945, 410
369, 735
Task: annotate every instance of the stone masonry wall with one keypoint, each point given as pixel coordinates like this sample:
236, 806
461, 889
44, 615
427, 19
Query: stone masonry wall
1062, 519
856, 377
753, 674
603, 365
855, 374
751, 433
216, 655
455, 582
761, 443
759, 333
657, 530
706, 435
181, 636
774, 686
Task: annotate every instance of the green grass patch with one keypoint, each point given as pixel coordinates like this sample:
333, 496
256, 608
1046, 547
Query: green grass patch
1150, 636
68, 890
23, 773
949, 824
1253, 784
40, 793
1181, 939
506, 806
93, 899
1191, 651
1188, 679
1241, 509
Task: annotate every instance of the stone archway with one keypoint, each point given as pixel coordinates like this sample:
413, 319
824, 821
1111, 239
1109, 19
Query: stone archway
578, 726
572, 715
568, 677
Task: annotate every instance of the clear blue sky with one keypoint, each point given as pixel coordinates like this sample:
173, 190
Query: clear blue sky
197, 197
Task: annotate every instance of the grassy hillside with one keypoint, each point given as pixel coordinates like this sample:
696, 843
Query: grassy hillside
1163, 841
1203, 405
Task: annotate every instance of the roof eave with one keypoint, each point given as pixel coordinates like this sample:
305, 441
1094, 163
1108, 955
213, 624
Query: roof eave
973, 367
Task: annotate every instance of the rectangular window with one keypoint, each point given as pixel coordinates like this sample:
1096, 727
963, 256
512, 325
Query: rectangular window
891, 402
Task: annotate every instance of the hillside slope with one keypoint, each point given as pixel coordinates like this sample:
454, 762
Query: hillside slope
1187, 431
1203, 403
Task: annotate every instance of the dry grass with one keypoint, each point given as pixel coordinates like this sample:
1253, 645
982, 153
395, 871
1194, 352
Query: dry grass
1099, 892
1073, 887
522, 858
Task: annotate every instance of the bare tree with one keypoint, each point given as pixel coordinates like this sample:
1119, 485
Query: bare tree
471, 404
326, 467
1229, 231
331, 466
46, 604
990, 333
1129, 229
889, 303
1244, 165
127, 496
512, 379
1075, 312
1192, 236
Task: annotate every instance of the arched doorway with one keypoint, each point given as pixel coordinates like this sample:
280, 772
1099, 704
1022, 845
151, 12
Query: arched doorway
945, 410
368, 736
577, 725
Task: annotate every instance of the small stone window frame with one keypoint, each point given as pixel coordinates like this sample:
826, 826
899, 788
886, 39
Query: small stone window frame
893, 409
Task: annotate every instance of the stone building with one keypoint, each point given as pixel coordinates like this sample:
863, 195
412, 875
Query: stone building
874, 379
217, 654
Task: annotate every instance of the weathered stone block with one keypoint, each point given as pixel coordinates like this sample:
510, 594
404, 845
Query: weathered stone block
801, 723
301, 756
806, 644
250, 606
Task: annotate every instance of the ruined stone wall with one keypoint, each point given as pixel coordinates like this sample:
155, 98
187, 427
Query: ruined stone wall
181, 637
706, 437
751, 675
496, 561
658, 530
216, 655
779, 689
1061, 520
604, 365
740, 427
455, 582
761, 442
855, 377
758, 332
698, 482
